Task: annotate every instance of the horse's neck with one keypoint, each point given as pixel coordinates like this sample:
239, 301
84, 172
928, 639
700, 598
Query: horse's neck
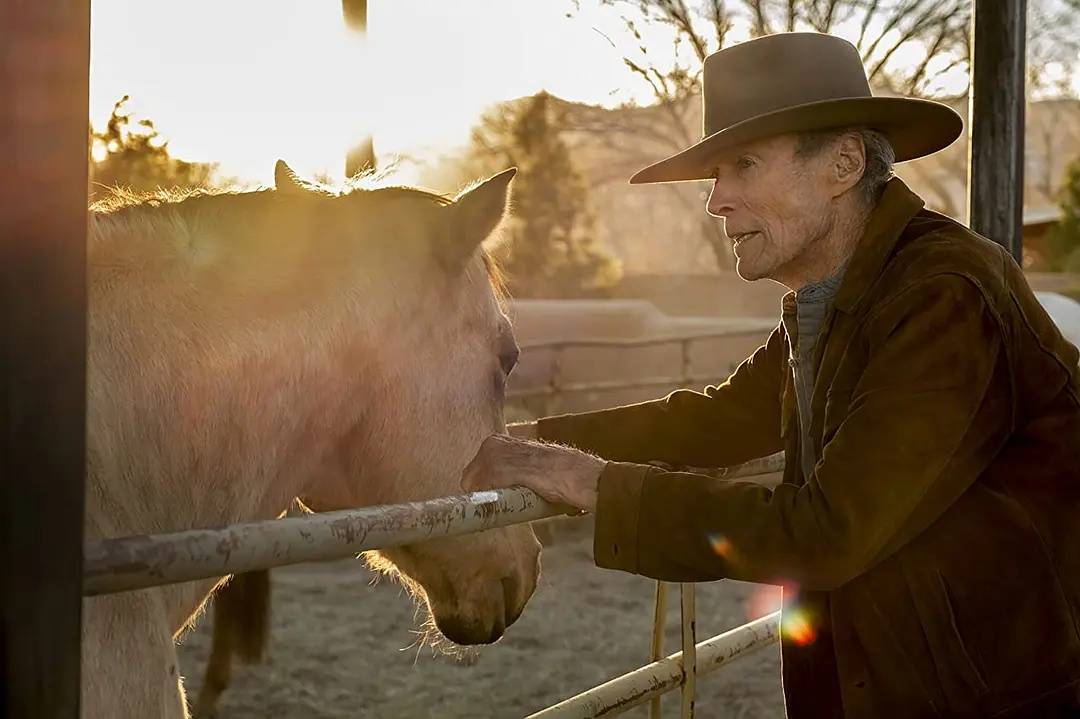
192, 425
190, 433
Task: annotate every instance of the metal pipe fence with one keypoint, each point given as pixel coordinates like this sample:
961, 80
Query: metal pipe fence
652, 680
118, 565
131, 563
140, 562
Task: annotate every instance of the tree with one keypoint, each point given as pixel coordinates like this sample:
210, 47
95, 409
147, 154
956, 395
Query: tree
1063, 239
909, 47
548, 248
132, 154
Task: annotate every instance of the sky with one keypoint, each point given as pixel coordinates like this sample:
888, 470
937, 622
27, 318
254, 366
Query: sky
294, 84
245, 82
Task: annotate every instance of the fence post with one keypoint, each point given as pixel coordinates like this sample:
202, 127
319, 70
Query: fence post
685, 346
44, 91
555, 380
659, 622
689, 648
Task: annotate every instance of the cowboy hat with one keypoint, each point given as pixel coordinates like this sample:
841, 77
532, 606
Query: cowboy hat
798, 82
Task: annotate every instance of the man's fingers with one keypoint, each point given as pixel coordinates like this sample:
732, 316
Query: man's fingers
471, 475
482, 469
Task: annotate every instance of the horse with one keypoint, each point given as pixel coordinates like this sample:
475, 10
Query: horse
340, 348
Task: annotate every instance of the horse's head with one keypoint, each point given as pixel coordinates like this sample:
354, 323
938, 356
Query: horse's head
423, 352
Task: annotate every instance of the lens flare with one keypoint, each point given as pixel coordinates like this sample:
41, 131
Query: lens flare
764, 599
721, 545
797, 627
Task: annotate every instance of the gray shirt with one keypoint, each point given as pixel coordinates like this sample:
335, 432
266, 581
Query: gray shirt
803, 314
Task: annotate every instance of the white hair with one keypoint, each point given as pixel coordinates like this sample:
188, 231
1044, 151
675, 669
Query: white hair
879, 156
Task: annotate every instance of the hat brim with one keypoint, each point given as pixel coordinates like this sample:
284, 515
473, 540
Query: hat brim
915, 128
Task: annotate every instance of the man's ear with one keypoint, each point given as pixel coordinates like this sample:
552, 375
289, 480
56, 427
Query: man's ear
849, 162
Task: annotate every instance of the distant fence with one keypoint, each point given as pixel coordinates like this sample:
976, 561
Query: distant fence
557, 386
129, 563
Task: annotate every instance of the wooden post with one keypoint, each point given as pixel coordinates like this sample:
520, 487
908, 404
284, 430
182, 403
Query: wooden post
555, 380
361, 157
686, 368
996, 123
44, 100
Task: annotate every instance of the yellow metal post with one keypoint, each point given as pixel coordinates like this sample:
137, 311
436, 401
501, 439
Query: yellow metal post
689, 648
659, 618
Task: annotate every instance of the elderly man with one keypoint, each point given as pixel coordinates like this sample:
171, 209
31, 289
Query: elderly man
928, 524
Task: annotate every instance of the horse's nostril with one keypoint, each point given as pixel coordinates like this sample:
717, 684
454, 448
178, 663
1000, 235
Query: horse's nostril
497, 630
510, 604
509, 587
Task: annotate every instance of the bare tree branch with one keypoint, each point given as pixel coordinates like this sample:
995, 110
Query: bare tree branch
722, 22
931, 53
929, 16
934, 32
871, 12
760, 19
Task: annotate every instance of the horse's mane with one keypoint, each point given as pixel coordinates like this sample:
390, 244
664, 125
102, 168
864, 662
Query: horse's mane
119, 198
120, 201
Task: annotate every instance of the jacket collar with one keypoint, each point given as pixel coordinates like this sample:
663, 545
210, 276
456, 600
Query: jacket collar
898, 204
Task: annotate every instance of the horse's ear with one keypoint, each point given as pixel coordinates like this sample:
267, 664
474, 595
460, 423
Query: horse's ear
475, 214
287, 182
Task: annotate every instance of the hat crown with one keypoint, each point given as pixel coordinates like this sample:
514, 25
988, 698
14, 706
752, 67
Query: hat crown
777, 72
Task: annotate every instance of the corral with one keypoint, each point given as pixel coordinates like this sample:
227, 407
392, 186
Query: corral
43, 370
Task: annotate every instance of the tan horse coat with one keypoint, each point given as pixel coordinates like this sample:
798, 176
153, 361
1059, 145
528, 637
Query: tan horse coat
247, 349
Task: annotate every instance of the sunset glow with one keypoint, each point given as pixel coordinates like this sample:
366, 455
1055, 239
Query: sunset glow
242, 83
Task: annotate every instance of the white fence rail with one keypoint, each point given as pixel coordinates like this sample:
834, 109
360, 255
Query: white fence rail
117, 565
650, 681
129, 563
557, 386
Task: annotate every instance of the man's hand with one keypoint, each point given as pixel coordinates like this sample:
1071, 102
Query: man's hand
558, 474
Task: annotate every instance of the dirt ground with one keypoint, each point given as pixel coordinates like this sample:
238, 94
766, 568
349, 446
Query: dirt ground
340, 646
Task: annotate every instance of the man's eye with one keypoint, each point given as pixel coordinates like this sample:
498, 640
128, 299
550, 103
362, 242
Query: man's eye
744, 163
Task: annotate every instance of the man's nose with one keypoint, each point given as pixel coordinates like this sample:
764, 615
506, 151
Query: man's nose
720, 203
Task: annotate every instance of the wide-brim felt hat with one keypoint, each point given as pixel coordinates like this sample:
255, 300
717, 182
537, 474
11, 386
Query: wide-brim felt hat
798, 82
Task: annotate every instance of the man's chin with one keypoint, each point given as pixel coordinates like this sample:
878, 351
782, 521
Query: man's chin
746, 270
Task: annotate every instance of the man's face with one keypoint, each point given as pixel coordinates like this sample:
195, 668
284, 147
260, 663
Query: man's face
774, 204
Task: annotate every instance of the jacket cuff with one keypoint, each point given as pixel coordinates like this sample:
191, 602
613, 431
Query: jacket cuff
618, 506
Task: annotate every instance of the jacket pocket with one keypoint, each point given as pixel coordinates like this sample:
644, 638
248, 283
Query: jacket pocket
970, 670
991, 605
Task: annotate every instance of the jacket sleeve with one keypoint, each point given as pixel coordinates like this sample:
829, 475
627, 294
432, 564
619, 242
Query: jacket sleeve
929, 412
734, 422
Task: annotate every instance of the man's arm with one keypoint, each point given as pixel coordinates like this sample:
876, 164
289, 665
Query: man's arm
734, 422
927, 416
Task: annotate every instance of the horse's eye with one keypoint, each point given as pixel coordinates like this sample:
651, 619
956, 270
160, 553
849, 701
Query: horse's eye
508, 358
508, 352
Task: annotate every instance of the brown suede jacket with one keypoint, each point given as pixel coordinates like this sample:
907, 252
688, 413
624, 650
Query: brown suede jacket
935, 548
